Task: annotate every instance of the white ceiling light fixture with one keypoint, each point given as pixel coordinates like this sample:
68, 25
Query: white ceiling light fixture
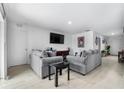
69, 22
113, 33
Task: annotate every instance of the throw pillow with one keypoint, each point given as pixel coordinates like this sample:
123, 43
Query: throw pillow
89, 52
76, 53
92, 51
51, 53
84, 53
80, 54
44, 54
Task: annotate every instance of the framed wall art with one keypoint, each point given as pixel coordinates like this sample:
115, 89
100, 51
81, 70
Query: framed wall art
81, 41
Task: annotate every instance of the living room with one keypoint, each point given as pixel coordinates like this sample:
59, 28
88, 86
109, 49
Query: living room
70, 31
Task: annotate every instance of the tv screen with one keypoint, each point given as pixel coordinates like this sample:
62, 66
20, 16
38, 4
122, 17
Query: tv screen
56, 38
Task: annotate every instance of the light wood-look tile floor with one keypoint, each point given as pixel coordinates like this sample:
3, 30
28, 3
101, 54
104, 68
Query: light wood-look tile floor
109, 75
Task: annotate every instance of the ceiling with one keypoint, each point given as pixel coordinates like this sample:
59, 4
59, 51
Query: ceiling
102, 18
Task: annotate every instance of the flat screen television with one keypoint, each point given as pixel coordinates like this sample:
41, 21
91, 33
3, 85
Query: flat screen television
56, 38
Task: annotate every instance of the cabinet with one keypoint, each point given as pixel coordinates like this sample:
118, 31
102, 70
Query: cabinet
63, 53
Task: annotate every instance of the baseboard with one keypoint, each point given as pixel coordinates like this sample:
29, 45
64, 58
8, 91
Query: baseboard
5, 78
17, 65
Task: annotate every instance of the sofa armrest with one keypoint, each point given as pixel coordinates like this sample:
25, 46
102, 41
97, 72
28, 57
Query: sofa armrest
36, 64
49, 60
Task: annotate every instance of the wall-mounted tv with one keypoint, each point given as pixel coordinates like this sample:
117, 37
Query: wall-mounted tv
56, 38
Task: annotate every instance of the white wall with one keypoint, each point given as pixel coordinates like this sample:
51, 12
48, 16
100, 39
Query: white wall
39, 38
16, 37
116, 43
35, 38
1, 54
0, 51
88, 41
3, 62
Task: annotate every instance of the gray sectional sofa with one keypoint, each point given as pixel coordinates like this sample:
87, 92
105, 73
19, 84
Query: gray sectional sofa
86, 62
81, 63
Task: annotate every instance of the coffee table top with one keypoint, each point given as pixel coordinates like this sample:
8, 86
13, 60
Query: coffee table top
60, 65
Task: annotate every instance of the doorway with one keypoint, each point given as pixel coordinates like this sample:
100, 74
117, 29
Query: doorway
17, 45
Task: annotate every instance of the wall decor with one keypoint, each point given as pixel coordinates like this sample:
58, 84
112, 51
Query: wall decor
81, 41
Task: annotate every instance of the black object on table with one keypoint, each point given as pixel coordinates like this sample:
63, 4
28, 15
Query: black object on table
58, 67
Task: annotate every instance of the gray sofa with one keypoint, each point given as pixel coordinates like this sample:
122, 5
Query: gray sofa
85, 63
39, 64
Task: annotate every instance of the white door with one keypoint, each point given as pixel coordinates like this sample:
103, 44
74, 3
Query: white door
17, 45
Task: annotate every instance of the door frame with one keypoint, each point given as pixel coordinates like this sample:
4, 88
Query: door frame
3, 44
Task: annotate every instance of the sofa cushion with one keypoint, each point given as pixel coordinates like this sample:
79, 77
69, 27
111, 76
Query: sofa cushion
77, 59
51, 53
84, 53
96, 51
74, 59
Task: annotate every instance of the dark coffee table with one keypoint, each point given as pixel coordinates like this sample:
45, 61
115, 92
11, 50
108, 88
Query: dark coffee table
58, 68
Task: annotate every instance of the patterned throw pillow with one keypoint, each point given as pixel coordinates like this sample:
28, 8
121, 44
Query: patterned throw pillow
84, 53
44, 54
51, 53
81, 54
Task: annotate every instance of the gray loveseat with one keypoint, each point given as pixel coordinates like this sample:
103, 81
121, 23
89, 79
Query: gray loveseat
39, 64
86, 62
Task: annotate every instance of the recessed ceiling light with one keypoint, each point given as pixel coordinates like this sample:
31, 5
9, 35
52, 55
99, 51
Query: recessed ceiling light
69, 22
113, 33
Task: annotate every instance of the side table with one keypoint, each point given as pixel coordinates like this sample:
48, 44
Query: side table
58, 68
